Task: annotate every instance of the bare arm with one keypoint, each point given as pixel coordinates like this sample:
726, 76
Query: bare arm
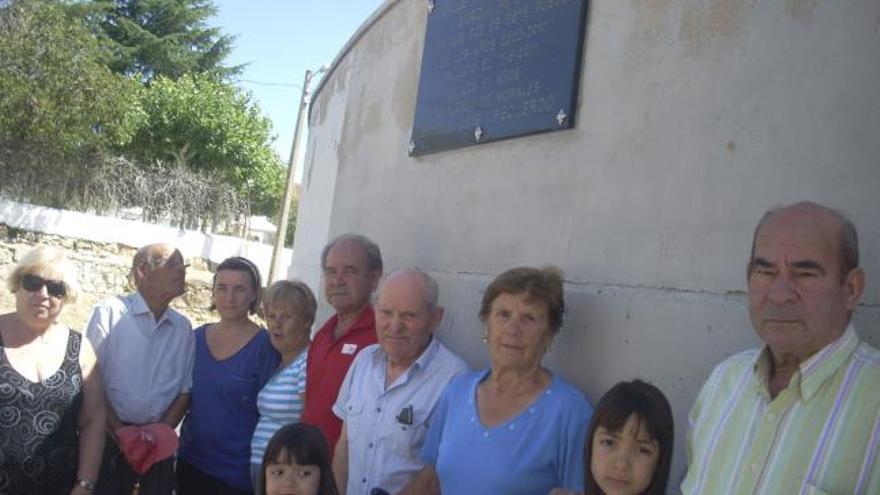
425, 482
340, 461
92, 417
176, 410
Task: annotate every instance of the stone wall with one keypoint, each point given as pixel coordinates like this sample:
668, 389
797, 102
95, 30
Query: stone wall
103, 271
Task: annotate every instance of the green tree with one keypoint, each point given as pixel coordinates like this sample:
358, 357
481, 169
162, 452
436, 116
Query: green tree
211, 126
164, 38
56, 93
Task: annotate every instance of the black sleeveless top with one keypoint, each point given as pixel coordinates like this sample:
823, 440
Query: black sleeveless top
39, 426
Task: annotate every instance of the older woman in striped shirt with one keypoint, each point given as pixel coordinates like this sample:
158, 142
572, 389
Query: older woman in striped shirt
289, 309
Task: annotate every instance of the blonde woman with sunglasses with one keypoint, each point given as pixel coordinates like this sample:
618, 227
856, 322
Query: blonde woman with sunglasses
51, 404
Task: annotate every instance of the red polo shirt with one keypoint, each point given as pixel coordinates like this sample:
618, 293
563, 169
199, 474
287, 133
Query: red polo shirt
327, 364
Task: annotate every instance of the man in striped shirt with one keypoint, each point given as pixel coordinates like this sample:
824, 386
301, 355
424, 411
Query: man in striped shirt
802, 414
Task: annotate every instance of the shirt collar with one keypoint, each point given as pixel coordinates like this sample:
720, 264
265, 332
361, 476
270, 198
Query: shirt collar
427, 355
813, 372
820, 366
365, 320
139, 307
424, 359
138, 304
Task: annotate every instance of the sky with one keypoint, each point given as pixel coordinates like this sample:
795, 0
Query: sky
280, 40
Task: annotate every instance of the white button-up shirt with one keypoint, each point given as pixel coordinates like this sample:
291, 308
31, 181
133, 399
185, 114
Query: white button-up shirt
386, 427
145, 364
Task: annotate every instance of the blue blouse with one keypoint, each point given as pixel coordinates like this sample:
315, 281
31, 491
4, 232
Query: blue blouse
216, 434
537, 450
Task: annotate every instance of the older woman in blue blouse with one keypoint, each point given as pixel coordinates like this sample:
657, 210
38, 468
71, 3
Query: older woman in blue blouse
515, 428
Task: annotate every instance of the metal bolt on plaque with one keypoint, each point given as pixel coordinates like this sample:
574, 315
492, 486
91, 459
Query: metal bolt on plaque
561, 116
411, 147
430, 6
478, 133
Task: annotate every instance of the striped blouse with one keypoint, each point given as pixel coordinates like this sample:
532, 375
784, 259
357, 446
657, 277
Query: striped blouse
818, 436
280, 402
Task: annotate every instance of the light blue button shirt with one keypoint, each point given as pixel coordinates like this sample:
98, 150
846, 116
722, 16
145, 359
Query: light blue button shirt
386, 427
145, 364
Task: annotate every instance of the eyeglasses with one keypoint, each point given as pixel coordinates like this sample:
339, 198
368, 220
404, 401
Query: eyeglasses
33, 283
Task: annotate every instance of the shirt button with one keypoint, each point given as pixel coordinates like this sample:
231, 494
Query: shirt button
364, 480
378, 409
370, 445
485, 434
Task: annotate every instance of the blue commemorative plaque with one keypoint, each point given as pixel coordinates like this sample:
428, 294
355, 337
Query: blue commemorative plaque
497, 69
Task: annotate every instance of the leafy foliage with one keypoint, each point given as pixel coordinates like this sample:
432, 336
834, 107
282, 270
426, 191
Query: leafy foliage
197, 147
211, 126
57, 93
164, 38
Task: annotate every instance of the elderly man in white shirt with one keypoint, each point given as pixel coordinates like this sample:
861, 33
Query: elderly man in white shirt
145, 354
390, 390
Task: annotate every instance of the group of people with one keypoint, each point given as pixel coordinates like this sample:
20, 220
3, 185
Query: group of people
376, 404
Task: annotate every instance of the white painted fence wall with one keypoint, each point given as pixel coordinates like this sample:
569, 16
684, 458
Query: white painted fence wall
132, 233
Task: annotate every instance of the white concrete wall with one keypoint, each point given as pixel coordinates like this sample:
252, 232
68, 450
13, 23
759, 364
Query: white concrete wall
80, 225
695, 116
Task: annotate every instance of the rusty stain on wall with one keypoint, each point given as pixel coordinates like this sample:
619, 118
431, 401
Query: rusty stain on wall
697, 24
655, 28
652, 22
702, 23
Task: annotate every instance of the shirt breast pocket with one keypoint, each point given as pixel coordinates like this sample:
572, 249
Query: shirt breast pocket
242, 392
408, 433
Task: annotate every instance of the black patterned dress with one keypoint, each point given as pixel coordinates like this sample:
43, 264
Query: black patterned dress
38, 426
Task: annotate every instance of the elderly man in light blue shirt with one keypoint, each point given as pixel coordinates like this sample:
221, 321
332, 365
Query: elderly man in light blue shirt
145, 354
390, 390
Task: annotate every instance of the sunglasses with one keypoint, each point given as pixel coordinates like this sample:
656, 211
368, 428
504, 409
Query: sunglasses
33, 283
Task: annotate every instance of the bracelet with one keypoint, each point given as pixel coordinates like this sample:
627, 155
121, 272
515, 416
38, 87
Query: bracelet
88, 485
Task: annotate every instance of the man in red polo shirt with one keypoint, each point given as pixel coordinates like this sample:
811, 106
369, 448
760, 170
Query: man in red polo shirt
352, 266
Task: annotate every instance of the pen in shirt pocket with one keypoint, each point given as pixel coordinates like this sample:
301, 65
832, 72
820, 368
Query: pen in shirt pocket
406, 415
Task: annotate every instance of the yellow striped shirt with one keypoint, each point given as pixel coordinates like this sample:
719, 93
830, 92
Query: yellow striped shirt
818, 436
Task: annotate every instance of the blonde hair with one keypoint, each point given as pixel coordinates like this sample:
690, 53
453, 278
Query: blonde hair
50, 262
297, 293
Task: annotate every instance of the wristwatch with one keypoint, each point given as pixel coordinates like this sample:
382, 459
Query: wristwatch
88, 485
